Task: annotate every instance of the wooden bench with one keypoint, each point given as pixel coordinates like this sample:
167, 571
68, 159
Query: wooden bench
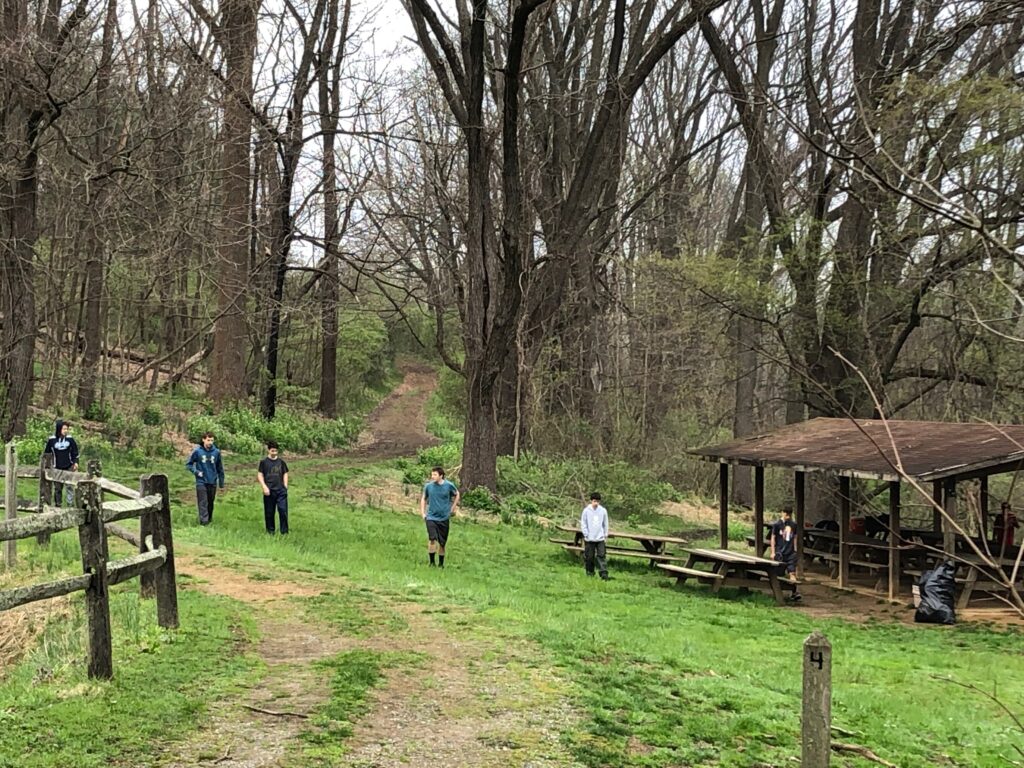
654, 558
682, 573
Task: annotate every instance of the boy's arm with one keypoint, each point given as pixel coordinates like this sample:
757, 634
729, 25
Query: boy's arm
455, 502
285, 478
74, 455
772, 540
583, 522
263, 483
220, 470
604, 523
190, 465
423, 504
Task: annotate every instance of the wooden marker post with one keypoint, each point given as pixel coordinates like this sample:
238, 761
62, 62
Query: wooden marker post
816, 721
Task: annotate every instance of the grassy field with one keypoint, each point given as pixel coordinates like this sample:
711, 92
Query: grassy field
660, 676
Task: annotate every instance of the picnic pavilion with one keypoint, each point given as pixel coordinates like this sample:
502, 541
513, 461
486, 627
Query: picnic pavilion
936, 455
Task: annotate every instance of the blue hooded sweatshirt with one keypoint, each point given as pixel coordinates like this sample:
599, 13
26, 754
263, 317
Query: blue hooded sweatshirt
206, 466
63, 448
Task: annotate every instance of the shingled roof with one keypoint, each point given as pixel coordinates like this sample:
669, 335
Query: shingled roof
928, 450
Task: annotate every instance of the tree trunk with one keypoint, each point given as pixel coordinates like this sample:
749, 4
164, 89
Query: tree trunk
238, 41
330, 298
479, 445
745, 357
95, 267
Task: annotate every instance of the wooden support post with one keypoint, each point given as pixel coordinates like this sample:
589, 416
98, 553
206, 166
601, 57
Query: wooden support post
759, 511
983, 503
164, 578
93, 539
844, 531
723, 505
799, 495
45, 493
949, 504
895, 568
937, 498
147, 581
816, 722
10, 500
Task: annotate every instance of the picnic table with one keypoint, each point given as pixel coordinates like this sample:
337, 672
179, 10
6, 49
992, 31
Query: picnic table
730, 569
654, 545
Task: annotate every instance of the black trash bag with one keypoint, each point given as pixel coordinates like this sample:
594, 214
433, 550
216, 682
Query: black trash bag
937, 589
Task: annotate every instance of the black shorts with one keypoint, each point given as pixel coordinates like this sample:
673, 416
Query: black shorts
437, 530
788, 560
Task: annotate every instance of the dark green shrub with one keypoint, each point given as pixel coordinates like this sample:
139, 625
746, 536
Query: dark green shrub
152, 415
480, 498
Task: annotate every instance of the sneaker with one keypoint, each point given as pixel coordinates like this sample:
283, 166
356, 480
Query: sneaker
605, 577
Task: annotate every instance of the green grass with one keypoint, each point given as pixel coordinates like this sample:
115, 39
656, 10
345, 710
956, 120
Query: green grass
53, 716
693, 679
661, 676
352, 674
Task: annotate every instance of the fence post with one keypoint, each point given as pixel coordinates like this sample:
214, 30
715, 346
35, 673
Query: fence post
164, 577
92, 537
45, 493
10, 498
816, 723
147, 581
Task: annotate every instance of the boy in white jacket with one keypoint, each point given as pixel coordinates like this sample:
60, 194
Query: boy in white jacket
594, 526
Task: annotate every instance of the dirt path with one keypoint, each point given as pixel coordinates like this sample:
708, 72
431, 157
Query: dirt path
397, 426
472, 704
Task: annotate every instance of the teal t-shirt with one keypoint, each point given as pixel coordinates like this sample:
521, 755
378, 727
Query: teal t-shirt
439, 499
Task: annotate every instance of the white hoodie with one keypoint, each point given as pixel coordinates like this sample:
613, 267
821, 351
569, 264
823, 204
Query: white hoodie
594, 523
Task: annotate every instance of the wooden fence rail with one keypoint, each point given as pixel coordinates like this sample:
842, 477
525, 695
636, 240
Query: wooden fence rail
94, 519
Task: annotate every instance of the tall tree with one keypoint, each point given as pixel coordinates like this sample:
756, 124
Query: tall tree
99, 191
507, 286
236, 35
35, 48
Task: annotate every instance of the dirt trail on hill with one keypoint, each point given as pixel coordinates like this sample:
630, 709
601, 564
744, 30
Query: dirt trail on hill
472, 703
398, 425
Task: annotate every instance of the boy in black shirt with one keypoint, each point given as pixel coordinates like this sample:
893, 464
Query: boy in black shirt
65, 457
273, 477
783, 543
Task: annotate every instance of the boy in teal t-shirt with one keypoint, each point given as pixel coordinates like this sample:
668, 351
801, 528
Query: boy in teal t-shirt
437, 504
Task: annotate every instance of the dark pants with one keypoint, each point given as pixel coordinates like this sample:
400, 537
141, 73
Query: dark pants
63, 495
277, 499
594, 550
205, 496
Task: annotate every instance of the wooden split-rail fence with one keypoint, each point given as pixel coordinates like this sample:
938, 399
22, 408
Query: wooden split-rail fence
95, 519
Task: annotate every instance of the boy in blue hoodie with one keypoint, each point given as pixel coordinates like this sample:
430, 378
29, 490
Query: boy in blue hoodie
206, 465
65, 457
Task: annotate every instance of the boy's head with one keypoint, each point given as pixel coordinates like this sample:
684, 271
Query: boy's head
272, 449
787, 513
65, 428
595, 499
208, 440
1005, 507
437, 474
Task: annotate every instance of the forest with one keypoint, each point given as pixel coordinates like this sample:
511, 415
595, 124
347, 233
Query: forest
620, 228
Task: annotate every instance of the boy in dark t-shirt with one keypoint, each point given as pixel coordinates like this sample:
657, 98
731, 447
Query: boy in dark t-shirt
783, 544
273, 477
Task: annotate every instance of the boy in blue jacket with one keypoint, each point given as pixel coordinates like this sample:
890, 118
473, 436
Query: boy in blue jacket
206, 465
